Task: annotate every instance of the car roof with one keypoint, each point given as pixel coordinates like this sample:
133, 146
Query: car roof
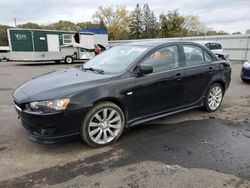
155, 43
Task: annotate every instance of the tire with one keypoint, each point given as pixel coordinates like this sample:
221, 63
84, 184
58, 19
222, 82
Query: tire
102, 125
68, 59
214, 97
243, 80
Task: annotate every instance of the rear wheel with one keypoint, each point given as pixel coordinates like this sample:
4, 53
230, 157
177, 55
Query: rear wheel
68, 59
103, 125
214, 97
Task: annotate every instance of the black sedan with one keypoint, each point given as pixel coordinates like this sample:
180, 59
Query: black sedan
123, 86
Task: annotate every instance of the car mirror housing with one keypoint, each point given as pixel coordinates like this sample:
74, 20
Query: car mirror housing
145, 69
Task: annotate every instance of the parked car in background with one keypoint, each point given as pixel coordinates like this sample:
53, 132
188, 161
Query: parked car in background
215, 47
245, 72
124, 86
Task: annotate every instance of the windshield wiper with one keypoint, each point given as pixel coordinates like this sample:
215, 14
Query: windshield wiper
94, 70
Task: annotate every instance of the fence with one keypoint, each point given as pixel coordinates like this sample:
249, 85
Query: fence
237, 46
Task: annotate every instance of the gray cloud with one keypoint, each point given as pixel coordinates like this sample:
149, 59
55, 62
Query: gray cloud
228, 15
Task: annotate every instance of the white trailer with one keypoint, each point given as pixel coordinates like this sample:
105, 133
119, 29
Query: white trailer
50, 45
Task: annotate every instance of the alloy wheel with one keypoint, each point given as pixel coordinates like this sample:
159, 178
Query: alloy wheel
215, 97
104, 126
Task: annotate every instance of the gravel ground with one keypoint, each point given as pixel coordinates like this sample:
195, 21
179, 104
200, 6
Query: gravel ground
190, 149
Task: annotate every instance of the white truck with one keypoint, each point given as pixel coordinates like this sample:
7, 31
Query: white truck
215, 47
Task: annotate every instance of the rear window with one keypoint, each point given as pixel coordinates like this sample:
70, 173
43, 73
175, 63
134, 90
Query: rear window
215, 46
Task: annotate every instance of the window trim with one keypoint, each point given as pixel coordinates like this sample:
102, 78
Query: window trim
196, 46
211, 59
63, 39
161, 47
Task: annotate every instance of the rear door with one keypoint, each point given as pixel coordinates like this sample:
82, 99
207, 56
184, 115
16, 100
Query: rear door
198, 72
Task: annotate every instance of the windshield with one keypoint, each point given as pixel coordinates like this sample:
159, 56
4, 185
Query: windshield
116, 59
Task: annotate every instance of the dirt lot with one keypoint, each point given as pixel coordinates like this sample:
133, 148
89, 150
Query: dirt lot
190, 149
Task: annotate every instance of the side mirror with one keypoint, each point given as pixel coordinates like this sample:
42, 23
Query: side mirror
145, 69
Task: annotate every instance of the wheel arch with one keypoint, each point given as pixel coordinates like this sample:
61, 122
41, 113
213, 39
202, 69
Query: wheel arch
221, 82
117, 102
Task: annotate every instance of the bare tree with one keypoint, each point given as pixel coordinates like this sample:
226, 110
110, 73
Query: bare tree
195, 26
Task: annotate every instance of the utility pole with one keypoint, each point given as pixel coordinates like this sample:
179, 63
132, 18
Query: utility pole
15, 21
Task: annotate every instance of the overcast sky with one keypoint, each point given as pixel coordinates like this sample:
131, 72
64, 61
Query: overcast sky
227, 15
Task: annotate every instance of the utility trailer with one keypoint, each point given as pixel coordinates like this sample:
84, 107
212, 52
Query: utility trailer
50, 45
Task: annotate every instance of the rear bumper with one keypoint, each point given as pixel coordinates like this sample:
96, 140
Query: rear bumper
54, 127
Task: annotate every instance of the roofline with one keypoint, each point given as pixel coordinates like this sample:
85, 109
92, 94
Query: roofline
156, 43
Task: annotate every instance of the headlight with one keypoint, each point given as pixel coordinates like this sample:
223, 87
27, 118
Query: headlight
246, 65
49, 106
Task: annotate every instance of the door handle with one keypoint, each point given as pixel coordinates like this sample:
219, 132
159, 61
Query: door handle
210, 69
178, 76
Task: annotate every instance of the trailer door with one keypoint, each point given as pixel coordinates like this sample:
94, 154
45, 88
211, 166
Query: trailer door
53, 43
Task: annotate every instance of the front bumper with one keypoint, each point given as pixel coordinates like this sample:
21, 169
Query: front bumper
53, 127
245, 74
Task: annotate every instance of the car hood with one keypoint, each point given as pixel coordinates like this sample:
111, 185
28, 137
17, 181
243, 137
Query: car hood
57, 84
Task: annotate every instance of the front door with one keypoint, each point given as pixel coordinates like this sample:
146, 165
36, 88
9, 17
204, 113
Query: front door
161, 90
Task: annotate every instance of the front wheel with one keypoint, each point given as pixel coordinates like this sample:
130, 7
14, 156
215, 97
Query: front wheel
102, 125
214, 97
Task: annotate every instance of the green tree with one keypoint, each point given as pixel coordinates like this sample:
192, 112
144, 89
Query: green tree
153, 26
3, 35
29, 25
135, 26
222, 33
62, 25
236, 33
211, 32
172, 24
116, 20
83, 25
149, 22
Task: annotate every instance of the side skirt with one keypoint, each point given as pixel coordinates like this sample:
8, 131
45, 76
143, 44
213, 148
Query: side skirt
143, 120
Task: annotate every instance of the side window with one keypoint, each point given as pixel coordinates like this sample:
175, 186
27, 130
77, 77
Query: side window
215, 46
193, 54
208, 58
163, 59
67, 38
212, 46
219, 46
